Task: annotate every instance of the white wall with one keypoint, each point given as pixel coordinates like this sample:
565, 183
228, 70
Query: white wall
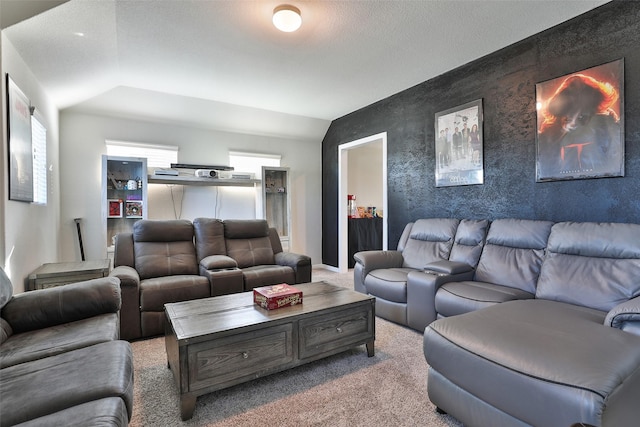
365, 174
30, 234
82, 143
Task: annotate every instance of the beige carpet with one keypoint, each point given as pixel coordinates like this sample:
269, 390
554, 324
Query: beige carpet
348, 389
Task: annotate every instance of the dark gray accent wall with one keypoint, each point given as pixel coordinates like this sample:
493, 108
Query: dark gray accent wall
505, 80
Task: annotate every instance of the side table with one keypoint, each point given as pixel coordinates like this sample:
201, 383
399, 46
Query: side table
61, 273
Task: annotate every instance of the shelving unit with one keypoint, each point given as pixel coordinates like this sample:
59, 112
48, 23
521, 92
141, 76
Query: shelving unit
194, 180
124, 194
277, 201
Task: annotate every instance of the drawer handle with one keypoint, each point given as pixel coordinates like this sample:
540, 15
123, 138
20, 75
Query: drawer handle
339, 330
245, 355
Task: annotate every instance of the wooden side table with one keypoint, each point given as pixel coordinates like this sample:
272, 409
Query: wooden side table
61, 273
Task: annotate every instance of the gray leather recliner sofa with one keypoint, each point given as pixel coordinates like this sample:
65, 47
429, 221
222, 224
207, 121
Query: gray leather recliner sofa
508, 269
61, 362
429, 252
569, 355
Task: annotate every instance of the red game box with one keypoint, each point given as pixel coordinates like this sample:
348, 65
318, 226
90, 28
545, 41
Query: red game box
277, 296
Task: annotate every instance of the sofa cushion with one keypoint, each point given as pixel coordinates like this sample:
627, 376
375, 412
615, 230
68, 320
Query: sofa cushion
389, 283
46, 386
251, 252
164, 248
110, 411
209, 233
430, 239
469, 240
513, 253
265, 275
245, 228
543, 362
156, 292
39, 343
455, 298
592, 264
157, 259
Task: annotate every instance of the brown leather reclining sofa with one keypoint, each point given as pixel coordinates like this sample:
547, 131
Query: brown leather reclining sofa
179, 260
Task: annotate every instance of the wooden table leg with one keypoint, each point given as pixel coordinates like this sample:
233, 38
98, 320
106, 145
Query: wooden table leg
187, 406
371, 351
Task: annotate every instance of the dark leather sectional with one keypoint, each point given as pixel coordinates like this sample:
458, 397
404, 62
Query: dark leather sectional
60, 358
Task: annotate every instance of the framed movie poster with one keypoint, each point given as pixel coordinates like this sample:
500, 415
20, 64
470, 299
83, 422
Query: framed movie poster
20, 150
580, 128
459, 146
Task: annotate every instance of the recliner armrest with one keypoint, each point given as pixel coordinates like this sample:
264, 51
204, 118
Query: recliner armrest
128, 276
374, 260
367, 261
301, 265
448, 267
625, 316
43, 308
218, 262
292, 260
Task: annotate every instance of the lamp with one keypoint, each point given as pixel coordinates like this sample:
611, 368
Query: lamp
287, 18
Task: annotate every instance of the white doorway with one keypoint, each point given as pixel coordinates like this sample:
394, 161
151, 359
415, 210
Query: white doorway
379, 141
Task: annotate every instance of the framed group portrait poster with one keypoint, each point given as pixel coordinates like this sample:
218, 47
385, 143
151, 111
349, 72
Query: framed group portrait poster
20, 150
459, 145
580, 124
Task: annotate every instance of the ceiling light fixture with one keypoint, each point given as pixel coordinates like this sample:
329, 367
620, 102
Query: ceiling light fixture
287, 18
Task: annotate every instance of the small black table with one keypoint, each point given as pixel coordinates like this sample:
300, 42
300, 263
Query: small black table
365, 234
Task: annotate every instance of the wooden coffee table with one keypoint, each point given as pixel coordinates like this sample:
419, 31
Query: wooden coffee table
218, 342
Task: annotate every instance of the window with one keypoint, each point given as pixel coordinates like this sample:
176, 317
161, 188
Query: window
39, 142
158, 156
252, 162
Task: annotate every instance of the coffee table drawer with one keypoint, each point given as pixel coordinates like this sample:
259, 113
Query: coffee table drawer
232, 358
331, 331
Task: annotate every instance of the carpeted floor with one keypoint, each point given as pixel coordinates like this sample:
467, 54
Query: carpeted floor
348, 389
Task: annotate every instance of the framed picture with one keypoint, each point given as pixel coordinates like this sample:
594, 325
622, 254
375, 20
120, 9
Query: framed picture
134, 209
115, 208
20, 150
459, 146
580, 128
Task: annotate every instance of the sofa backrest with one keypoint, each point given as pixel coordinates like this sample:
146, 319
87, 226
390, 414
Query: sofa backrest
164, 248
429, 240
248, 242
209, 237
595, 265
469, 241
513, 253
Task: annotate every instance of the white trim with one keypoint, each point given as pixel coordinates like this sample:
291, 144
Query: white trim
343, 157
141, 145
258, 155
40, 178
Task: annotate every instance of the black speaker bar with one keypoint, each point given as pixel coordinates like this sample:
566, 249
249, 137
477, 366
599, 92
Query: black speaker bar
189, 166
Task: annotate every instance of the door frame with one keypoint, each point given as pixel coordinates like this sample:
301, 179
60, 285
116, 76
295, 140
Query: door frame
343, 173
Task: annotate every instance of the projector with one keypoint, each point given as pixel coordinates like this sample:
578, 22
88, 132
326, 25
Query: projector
207, 173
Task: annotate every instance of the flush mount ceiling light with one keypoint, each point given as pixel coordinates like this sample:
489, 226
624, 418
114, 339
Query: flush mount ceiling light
287, 18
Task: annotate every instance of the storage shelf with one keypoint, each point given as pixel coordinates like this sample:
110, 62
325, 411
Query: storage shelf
194, 180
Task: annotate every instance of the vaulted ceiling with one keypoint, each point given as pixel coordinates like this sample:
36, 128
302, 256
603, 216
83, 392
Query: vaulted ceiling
222, 64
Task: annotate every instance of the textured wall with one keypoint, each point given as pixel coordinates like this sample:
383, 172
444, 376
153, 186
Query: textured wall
505, 80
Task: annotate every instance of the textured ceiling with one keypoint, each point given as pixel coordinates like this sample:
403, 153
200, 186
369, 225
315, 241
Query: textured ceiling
208, 54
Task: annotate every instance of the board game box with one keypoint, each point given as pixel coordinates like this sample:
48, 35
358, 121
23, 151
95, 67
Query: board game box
277, 296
